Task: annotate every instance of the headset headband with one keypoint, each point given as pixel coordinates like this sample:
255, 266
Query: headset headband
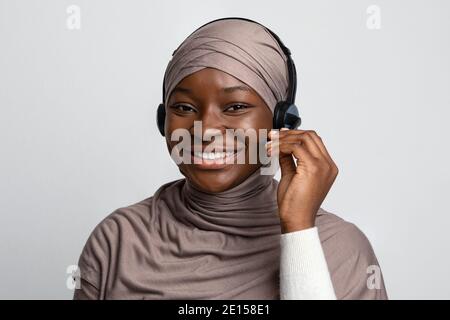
292, 74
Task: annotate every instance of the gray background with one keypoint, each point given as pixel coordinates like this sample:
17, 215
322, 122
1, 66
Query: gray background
78, 135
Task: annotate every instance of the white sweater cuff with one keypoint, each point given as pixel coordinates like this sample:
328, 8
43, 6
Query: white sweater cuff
304, 271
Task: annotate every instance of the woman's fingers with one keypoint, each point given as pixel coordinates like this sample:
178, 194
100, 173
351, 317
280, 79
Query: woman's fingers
324, 150
288, 149
287, 164
301, 136
320, 144
312, 141
308, 147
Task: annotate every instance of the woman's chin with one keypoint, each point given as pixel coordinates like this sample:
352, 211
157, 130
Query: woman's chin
219, 180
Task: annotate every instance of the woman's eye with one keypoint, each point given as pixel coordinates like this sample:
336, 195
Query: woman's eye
236, 107
184, 108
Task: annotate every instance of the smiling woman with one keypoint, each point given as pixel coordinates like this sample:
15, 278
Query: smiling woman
227, 231
220, 102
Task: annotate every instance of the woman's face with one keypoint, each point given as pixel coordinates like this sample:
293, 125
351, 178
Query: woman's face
220, 102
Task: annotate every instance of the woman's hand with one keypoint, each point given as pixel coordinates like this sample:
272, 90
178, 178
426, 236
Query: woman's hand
305, 182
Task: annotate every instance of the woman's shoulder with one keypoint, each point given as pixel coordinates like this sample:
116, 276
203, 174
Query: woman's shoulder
350, 257
331, 228
107, 236
127, 216
122, 220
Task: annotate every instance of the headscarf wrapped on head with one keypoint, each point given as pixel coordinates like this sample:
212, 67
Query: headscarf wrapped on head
241, 48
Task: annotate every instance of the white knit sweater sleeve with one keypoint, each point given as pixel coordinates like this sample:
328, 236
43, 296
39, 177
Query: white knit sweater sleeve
304, 271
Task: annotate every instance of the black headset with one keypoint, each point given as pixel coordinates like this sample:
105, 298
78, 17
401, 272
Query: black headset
285, 113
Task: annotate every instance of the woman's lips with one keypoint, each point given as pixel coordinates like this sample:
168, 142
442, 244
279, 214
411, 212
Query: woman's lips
214, 160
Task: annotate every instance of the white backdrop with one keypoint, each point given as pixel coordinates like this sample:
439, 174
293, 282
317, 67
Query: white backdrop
78, 135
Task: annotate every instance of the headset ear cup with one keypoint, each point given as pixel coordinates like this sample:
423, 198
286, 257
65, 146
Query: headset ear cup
286, 116
161, 118
292, 118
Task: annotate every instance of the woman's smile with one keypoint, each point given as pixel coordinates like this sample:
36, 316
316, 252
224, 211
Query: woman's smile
214, 160
210, 97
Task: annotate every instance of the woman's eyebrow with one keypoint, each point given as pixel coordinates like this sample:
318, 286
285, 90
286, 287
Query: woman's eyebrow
235, 88
181, 89
226, 89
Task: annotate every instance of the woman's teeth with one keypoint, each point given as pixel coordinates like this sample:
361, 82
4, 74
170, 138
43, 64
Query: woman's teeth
213, 155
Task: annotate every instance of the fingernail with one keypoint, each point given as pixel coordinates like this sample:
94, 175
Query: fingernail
273, 133
284, 129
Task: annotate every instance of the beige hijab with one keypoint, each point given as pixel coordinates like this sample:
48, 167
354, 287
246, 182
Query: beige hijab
243, 49
183, 243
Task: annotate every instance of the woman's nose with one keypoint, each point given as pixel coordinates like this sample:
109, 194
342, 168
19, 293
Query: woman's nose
209, 123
